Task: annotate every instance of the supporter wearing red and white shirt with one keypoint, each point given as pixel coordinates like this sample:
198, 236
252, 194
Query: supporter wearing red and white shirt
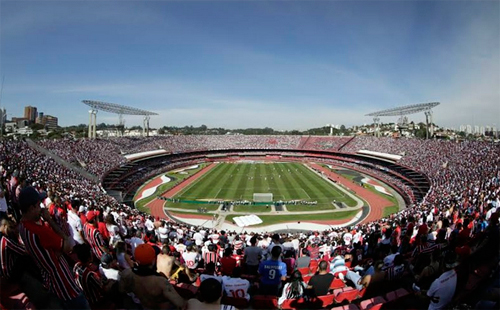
10, 248
45, 245
88, 280
210, 256
191, 257
235, 286
238, 257
237, 243
93, 236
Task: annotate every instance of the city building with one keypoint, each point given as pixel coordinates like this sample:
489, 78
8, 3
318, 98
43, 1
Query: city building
30, 113
49, 121
39, 119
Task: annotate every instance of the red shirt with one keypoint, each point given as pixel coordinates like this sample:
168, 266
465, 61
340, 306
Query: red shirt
10, 251
103, 230
44, 246
89, 281
95, 240
227, 265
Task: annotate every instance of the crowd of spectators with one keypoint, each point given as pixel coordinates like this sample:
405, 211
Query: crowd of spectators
92, 252
95, 156
323, 143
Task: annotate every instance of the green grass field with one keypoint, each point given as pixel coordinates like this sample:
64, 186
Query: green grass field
175, 177
286, 181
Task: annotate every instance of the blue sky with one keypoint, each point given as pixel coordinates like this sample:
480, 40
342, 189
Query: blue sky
238, 64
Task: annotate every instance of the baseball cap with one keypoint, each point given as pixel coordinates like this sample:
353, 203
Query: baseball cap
144, 254
91, 215
29, 196
106, 259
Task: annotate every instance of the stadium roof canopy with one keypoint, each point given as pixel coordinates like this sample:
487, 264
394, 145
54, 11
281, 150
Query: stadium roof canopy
116, 108
405, 110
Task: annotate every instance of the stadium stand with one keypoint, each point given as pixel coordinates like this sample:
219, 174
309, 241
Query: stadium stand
456, 220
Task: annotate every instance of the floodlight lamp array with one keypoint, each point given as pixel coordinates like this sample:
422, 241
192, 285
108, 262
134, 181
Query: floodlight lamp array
405, 110
116, 108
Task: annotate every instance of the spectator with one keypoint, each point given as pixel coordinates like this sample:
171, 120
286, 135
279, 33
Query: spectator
293, 289
148, 286
227, 263
252, 256
443, 288
191, 257
320, 282
109, 267
11, 250
134, 241
45, 245
210, 293
74, 222
87, 279
272, 272
235, 286
304, 260
93, 236
165, 261
122, 257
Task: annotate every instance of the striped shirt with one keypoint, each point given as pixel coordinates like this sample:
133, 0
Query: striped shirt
425, 248
95, 240
395, 272
44, 246
210, 257
9, 253
89, 281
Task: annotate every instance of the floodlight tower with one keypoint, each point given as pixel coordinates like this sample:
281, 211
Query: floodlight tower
331, 129
376, 129
113, 108
409, 109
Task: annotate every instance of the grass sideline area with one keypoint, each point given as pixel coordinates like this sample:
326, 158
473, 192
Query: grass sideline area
286, 181
190, 206
387, 210
275, 219
175, 178
252, 209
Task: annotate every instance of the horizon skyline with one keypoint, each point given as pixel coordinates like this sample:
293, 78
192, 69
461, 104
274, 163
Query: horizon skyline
336, 126
285, 65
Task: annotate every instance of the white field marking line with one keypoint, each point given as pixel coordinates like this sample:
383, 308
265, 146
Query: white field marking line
195, 181
340, 186
217, 193
309, 197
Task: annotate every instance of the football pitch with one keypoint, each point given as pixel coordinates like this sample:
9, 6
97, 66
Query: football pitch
286, 181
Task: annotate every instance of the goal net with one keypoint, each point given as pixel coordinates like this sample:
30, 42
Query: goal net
262, 197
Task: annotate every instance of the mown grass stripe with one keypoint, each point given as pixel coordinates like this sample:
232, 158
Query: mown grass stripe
225, 191
292, 187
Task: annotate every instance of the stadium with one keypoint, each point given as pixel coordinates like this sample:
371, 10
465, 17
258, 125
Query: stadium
244, 155
337, 188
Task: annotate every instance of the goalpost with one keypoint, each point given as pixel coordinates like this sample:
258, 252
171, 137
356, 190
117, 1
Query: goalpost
262, 197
